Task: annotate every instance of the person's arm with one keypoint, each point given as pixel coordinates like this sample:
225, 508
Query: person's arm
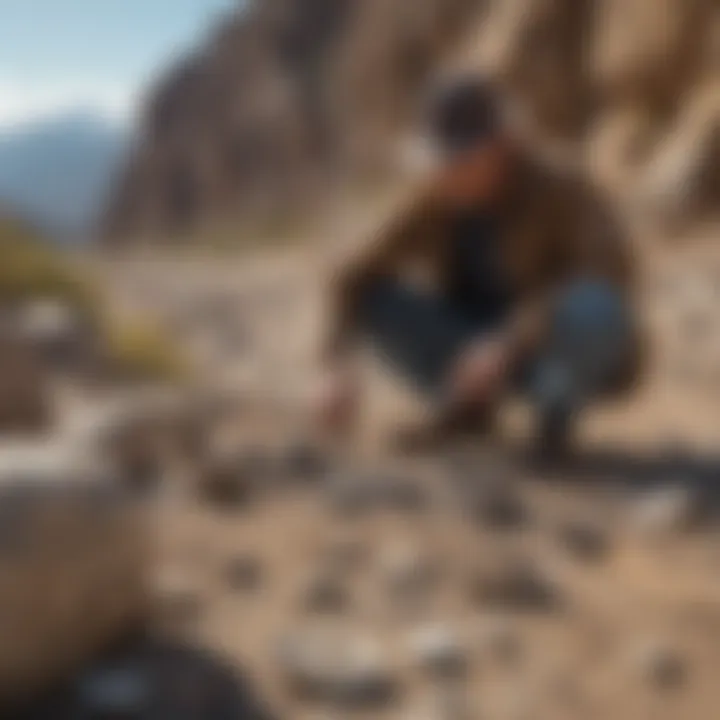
585, 241
404, 234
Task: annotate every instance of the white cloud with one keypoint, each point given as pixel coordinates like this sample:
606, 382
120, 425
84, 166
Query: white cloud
22, 102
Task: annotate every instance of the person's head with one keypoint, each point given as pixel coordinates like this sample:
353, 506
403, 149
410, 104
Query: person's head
468, 127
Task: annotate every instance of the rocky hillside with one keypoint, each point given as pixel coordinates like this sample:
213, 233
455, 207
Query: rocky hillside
291, 97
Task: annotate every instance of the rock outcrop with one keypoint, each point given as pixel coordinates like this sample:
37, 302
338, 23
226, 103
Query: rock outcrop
290, 100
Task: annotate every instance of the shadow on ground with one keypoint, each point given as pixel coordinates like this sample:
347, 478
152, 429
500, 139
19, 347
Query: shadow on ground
634, 470
167, 681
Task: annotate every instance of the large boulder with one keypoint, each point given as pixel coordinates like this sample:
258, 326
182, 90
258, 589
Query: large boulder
74, 552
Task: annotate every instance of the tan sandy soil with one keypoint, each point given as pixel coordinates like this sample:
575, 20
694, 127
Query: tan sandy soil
581, 661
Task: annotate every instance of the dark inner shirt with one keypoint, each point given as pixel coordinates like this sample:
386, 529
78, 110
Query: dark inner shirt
478, 288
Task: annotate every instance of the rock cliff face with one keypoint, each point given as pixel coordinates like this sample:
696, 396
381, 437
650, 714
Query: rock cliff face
291, 98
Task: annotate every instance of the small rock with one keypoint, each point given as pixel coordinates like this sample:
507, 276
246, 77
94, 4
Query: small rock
134, 432
670, 509
487, 491
305, 461
661, 665
584, 541
514, 583
139, 466
325, 593
338, 665
499, 507
357, 493
439, 650
243, 573
229, 480
408, 574
178, 599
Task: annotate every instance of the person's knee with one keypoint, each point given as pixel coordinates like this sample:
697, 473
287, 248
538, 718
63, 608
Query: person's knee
591, 308
593, 324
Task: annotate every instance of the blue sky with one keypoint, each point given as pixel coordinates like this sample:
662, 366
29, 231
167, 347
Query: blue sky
57, 55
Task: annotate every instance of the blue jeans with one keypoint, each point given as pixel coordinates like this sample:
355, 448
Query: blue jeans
421, 335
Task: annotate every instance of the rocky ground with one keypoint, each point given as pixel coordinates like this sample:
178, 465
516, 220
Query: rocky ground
461, 583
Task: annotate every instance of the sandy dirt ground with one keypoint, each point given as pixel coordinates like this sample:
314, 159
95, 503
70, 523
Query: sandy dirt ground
632, 625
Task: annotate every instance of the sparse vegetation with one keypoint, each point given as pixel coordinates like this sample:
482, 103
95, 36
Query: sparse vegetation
140, 350
29, 268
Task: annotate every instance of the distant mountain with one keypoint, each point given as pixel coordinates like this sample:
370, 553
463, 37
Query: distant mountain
58, 171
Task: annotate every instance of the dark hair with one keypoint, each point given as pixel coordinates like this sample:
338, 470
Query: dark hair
464, 113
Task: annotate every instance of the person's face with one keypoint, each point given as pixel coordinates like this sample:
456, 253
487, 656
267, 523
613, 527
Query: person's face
477, 177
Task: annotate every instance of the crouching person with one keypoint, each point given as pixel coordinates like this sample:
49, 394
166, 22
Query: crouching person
532, 285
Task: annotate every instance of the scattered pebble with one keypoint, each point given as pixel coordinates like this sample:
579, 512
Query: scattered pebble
229, 480
304, 460
325, 593
498, 507
338, 665
512, 583
661, 665
439, 650
584, 540
244, 573
666, 510
487, 490
353, 494
408, 574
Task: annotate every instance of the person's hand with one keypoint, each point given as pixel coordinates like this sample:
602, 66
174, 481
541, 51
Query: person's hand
480, 373
336, 400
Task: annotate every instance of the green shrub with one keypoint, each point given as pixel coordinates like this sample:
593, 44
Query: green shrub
30, 268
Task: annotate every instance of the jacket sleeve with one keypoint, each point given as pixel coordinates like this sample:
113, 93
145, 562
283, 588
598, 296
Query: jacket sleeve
583, 239
381, 252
